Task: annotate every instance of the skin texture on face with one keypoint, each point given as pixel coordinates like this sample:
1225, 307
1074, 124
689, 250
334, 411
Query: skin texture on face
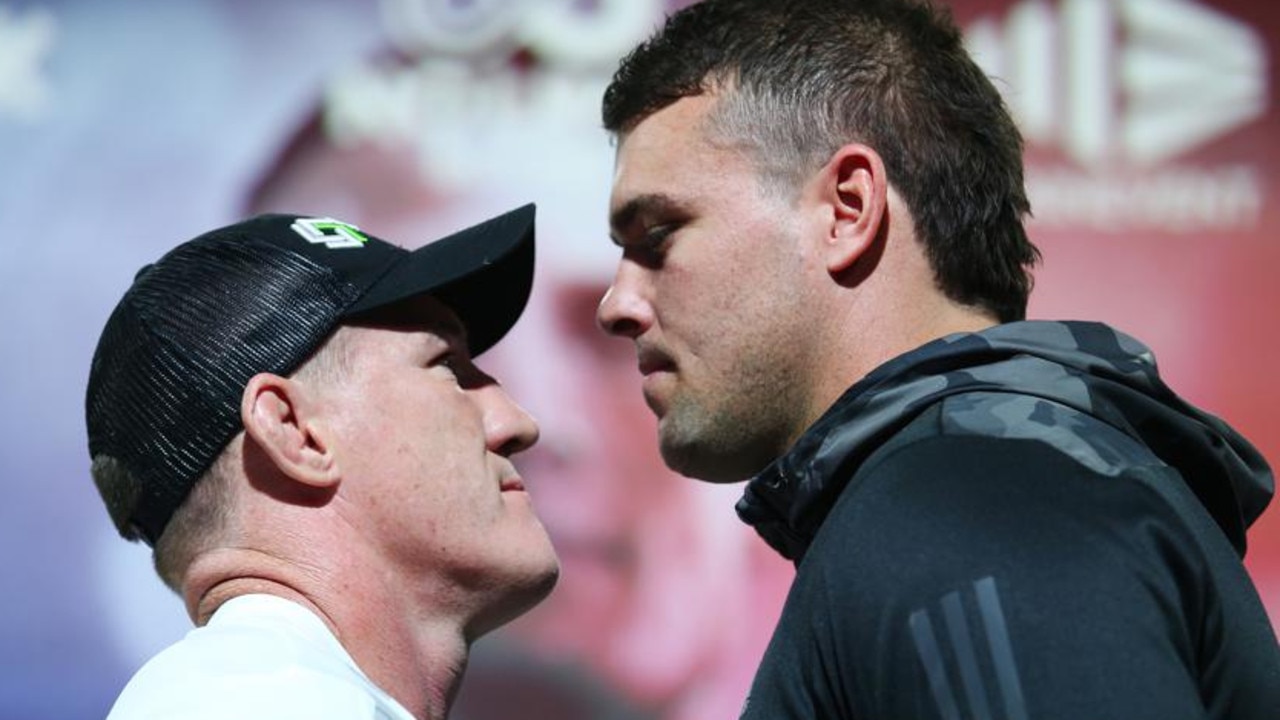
424, 447
663, 589
713, 288
664, 594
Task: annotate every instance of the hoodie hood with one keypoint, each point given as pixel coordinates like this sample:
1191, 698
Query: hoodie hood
1086, 366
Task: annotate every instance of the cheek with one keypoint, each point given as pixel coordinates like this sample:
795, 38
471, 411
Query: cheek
692, 295
408, 430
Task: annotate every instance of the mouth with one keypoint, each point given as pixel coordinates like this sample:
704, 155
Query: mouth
511, 483
651, 361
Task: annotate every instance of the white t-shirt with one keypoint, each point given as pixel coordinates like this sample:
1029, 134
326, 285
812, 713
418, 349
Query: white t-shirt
260, 656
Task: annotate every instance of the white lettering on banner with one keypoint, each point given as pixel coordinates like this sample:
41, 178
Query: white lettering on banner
463, 107
474, 26
25, 42
1119, 84
1133, 80
1176, 200
463, 122
562, 32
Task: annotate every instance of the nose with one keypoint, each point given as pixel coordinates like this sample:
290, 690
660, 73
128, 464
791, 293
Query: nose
508, 428
624, 311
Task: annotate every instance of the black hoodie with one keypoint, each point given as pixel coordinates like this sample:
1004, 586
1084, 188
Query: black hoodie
1019, 523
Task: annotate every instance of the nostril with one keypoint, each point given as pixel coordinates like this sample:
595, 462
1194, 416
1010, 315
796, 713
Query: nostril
517, 437
625, 327
511, 447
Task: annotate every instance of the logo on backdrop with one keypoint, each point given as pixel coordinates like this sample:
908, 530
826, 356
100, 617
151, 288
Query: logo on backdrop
25, 41
1119, 87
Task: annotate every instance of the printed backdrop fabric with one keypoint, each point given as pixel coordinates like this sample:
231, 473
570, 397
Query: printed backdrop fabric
1153, 149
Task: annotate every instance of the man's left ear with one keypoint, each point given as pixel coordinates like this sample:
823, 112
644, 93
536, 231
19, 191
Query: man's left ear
854, 186
281, 419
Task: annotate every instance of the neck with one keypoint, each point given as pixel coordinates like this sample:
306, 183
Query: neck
412, 654
885, 329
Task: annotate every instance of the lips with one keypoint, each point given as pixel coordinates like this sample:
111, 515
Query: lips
651, 361
509, 479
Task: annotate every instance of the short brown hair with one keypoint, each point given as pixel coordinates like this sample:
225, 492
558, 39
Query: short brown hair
798, 80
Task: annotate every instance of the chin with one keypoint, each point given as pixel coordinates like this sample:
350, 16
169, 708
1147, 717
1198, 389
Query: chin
522, 589
695, 462
534, 580
543, 582
715, 451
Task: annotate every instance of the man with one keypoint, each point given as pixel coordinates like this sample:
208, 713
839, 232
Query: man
287, 411
658, 609
824, 273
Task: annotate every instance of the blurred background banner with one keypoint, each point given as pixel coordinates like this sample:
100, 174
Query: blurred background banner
131, 125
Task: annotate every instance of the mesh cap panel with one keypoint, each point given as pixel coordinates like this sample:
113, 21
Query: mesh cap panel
188, 336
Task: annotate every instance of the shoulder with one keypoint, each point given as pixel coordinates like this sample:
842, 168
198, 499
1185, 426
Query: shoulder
1001, 415
183, 685
247, 669
1029, 536
1007, 462
975, 483
1067, 522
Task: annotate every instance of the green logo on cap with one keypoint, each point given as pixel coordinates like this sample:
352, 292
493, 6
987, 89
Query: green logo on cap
334, 234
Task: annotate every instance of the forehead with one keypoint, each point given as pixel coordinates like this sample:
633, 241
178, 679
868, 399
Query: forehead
422, 315
672, 154
668, 134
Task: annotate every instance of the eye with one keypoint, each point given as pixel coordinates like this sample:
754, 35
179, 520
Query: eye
653, 244
657, 237
448, 362
460, 369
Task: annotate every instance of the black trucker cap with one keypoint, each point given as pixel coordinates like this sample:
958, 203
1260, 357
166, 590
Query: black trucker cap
258, 296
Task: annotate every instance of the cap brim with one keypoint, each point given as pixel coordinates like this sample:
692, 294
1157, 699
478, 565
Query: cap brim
483, 273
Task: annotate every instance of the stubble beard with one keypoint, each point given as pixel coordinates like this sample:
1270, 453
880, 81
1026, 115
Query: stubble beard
738, 431
729, 421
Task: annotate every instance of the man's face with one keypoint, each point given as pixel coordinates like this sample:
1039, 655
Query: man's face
654, 566
424, 444
712, 289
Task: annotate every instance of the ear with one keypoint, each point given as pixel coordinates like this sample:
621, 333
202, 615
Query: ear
854, 186
281, 419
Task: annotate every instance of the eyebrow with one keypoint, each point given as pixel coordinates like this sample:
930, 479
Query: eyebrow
646, 204
450, 329
445, 325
